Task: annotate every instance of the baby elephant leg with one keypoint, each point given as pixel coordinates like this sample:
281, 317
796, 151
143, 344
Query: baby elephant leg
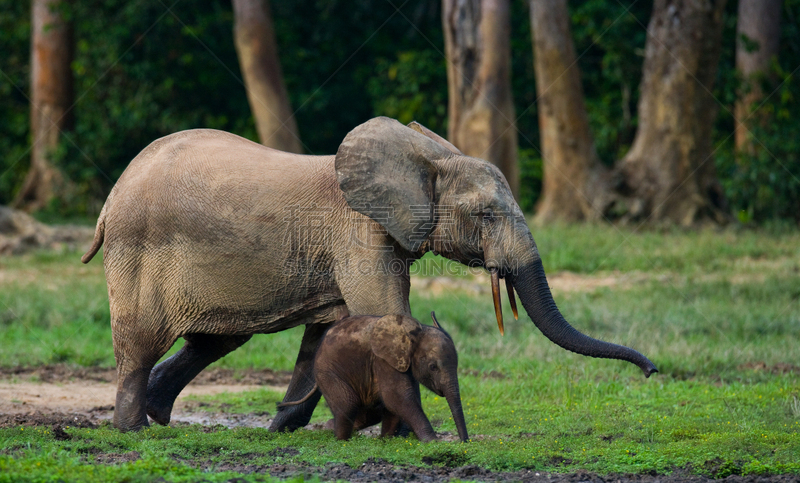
402, 398
344, 419
367, 418
390, 424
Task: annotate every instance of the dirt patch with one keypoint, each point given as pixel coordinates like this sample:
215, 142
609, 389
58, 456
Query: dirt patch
117, 458
281, 452
560, 282
90, 403
85, 396
219, 420
58, 373
780, 368
49, 418
385, 472
65, 373
20, 233
748, 270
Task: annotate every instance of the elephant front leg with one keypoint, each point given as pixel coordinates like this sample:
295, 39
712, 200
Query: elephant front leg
290, 418
401, 397
168, 379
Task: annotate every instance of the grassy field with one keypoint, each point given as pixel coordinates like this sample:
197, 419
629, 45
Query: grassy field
717, 312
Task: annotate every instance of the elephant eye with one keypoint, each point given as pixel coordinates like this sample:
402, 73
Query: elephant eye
488, 217
433, 367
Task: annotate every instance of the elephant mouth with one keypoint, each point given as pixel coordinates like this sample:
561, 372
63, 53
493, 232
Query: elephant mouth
498, 306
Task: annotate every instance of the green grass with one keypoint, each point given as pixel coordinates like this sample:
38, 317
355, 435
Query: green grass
586, 249
717, 312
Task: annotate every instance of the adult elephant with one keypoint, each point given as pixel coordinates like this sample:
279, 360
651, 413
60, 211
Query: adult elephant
213, 238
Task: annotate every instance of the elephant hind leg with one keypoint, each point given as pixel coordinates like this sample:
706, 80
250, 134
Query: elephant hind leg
168, 379
136, 352
345, 415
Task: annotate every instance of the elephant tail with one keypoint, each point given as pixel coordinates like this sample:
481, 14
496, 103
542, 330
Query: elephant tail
301, 401
99, 236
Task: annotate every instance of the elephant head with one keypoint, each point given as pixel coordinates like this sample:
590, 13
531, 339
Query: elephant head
440, 200
430, 354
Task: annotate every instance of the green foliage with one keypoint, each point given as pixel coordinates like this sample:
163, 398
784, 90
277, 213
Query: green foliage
14, 106
765, 185
411, 88
530, 169
143, 71
609, 40
331, 52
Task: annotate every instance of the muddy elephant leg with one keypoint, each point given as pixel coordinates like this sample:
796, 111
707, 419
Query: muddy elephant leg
169, 378
136, 353
290, 418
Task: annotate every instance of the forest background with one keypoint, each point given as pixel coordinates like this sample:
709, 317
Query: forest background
145, 69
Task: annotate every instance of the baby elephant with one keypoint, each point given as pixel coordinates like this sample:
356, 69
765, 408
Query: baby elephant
369, 369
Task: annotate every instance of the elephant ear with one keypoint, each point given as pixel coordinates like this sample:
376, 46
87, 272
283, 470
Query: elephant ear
392, 338
444, 142
385, 171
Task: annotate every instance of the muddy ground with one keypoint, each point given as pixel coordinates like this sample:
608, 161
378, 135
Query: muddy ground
58, 395
85, 396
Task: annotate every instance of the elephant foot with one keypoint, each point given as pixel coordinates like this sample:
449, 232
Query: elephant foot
287, 421
160, 414
161, 397
126, 427
129, 411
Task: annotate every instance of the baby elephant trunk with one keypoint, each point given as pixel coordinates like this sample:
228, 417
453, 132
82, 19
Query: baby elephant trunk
453, 396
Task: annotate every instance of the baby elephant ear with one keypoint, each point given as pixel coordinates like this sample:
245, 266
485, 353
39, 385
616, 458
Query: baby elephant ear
391, 338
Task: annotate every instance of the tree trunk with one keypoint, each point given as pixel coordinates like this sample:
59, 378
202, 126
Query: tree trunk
480, 108
258, 57
757, 41
575, 186
669, 173
51, 99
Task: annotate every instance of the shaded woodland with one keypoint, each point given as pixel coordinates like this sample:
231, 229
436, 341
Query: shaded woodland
657, 111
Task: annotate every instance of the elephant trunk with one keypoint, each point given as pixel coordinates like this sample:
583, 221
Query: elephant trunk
453, 396
534, 293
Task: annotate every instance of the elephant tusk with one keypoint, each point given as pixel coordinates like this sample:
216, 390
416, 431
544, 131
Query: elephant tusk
498, 309
511, 298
